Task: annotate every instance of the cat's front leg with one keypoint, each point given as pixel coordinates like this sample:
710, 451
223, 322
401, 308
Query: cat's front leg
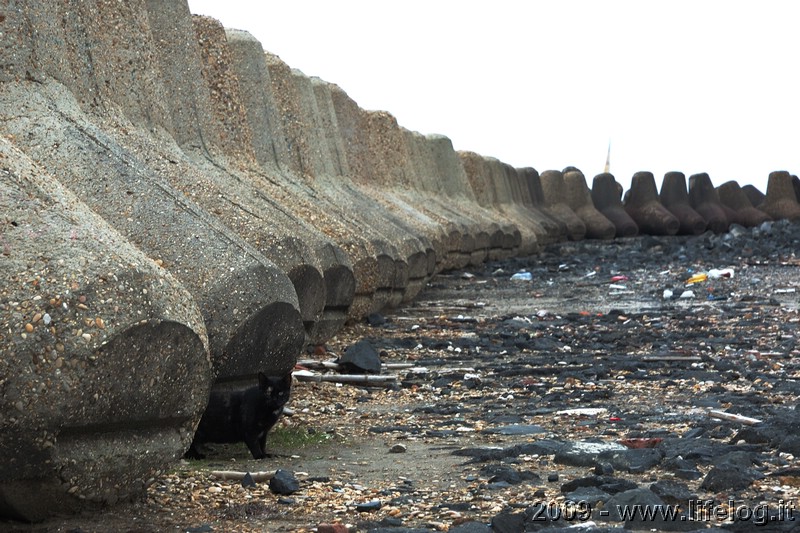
256, 447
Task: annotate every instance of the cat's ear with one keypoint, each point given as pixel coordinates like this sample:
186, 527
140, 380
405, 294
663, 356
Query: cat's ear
263, 381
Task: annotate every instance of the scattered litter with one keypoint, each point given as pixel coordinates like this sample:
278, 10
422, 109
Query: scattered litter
667, 294
722, 415
467, 275
618, 287
687, 294
522, 276
583, 411
715, 273
697, 278
785, 291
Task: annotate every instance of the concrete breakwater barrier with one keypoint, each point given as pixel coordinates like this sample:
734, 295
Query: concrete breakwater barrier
181, 210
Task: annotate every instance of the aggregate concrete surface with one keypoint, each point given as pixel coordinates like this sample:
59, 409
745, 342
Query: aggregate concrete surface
544, 403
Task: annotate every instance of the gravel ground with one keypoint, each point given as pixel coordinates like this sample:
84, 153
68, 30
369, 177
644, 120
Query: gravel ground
515, 393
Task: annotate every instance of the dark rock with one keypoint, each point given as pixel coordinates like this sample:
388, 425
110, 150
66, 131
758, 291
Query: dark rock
590, 495
634, 499
603, 469
790, 444
694, 433
376, 319
515, 429
248, 481
361, 357
284, 482
470, 527
739, 459
633, 460
728, 477
673, 492
508, 521
609, 484
372, 505
509, 474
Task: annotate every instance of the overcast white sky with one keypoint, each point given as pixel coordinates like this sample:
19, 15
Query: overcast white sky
695, 86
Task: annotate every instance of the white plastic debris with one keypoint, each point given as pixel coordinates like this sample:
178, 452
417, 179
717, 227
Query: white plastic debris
583, 411
667, 294
522, 276
617, 287
687, 294
716, 273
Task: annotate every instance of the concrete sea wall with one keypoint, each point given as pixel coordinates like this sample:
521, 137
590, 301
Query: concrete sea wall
181, 210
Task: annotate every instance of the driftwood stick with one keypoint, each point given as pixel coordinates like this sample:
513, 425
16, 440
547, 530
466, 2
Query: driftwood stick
232, 475
722, 415
687, 358
311, 363
304, 375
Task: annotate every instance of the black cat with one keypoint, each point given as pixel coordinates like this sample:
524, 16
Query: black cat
243, 415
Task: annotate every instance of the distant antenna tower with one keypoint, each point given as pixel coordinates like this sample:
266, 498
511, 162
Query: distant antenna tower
607, 168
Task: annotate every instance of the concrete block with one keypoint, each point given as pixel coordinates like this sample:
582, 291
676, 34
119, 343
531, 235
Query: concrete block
733, 197
104, 363
675, 197
641, 203
555, 198
704, 199
607, 198
781, 200
579, 199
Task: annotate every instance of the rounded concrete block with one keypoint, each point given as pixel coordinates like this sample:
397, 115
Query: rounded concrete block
94, 148
290, 193
499, 179
553, 231
755, 196
554, 193
607, 198
733, 197
505, 236
104, 361
231, 187
781, 201
703, 199
579, 198
556, 228
675, 197
641, 203
367, 175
